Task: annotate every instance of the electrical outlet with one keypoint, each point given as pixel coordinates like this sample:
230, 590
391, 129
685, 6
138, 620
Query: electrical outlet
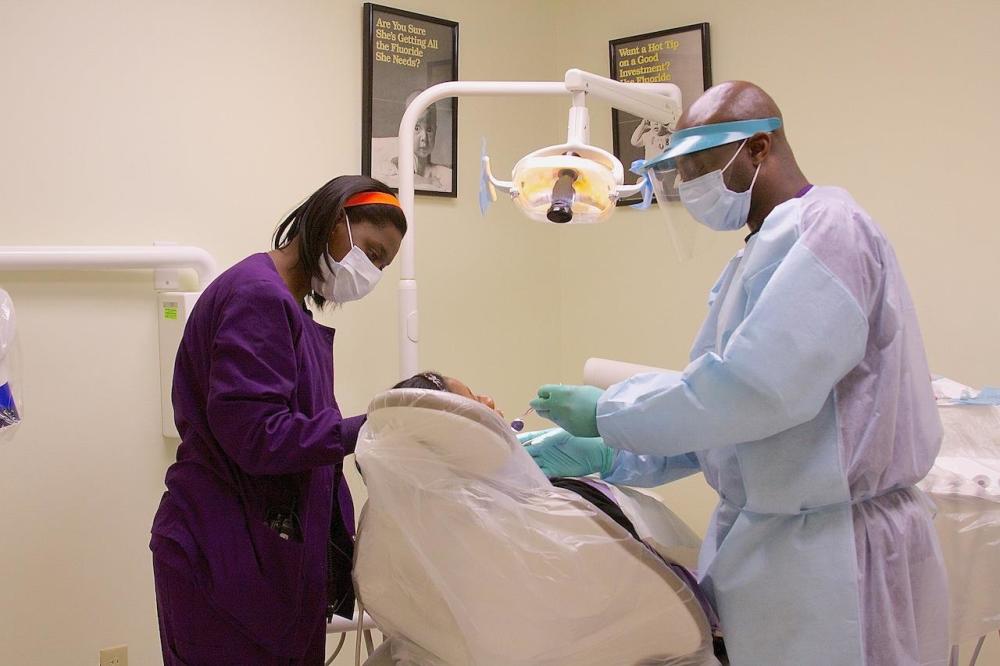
115, 656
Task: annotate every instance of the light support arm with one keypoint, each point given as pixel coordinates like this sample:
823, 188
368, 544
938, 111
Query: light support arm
408, 322
656, 101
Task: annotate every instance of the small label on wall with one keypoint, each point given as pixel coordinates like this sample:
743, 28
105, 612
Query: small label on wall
170, 310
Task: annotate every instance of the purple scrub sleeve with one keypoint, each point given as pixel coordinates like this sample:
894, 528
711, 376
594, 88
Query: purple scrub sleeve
253, 378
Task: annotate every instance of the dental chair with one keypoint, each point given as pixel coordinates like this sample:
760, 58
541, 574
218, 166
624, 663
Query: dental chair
467, 555
965, 485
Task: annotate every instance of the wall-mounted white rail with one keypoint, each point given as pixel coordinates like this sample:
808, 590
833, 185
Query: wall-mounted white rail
173, 306
109, 257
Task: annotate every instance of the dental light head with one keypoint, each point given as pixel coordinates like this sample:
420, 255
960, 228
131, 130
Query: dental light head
563, 195
575, 182
566, 184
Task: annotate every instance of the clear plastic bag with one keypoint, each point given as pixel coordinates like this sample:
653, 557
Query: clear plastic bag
965, 485
11, 407
466, 554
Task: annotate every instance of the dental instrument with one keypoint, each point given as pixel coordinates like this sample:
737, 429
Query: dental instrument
517, 425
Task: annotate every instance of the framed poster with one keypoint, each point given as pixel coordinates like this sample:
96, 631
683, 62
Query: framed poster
680, 56
405, 53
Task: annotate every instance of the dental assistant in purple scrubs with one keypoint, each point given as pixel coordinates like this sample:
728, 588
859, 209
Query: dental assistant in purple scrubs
253, 540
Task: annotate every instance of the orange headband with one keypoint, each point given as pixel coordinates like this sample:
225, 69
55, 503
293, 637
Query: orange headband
364, 198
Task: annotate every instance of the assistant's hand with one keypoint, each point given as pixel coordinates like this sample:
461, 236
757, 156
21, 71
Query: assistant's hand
573, 408
559, 453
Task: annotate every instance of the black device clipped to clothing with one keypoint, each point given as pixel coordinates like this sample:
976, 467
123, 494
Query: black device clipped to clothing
339, 562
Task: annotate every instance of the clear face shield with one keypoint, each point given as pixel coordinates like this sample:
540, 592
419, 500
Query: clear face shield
662, 179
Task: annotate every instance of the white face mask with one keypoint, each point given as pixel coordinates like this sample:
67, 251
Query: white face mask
712, 203
349, 279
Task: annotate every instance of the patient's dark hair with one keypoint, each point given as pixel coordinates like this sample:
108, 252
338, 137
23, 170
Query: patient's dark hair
429, 380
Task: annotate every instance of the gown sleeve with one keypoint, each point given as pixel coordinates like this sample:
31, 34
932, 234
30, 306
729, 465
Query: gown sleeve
254, 374
805, 332
646, 471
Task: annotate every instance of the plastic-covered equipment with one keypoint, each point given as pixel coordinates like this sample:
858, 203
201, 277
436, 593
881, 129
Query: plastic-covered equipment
10, 404
965, 485
466, 554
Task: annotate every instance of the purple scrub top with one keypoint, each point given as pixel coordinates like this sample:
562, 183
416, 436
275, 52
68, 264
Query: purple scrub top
261, 434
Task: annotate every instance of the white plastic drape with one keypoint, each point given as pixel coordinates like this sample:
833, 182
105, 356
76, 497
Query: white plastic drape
466, 554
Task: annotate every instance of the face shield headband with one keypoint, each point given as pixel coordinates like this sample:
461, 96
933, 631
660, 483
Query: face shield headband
702, 137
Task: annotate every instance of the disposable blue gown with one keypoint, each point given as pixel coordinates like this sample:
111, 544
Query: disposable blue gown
808, 406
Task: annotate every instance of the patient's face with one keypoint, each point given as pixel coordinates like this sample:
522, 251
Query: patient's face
455, 386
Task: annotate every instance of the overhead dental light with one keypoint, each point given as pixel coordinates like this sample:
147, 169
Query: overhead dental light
575, 182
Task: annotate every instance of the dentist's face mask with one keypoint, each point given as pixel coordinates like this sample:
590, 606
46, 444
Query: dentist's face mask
712, 203
349, 279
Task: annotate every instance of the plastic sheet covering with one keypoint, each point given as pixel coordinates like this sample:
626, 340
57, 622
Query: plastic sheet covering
11, 409
965, 485
466, 554
657, 526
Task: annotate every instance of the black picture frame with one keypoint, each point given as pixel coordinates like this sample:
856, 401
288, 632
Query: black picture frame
640, 58
405, 53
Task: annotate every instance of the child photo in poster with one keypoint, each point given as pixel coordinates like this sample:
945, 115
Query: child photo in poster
428, 173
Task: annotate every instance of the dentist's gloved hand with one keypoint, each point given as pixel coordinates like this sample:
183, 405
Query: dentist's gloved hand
572, 408
559, 453
527, 437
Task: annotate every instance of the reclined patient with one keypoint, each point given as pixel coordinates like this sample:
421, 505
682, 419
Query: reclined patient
467, 554
597, 492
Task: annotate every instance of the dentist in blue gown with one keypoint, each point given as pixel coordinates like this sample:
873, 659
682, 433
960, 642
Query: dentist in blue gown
807, 405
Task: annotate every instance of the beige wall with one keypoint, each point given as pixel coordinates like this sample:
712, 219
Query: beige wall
203, 122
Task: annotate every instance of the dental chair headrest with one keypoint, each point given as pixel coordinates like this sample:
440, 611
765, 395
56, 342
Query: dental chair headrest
437, 426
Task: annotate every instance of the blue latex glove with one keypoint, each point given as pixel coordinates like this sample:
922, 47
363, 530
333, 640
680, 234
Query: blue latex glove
572, 408
559, 453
